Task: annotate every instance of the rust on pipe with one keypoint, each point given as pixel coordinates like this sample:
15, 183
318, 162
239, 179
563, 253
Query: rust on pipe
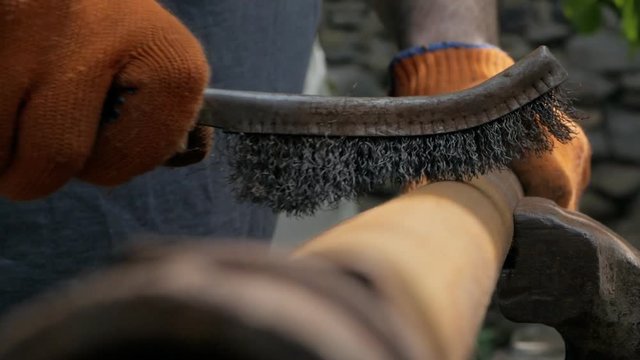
271, 113
410, 279
442, 245
204, 302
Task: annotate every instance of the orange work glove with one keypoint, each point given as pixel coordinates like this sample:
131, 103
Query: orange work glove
58, 61
560, 175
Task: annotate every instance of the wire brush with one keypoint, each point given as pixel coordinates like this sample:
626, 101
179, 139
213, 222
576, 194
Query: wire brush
296, 153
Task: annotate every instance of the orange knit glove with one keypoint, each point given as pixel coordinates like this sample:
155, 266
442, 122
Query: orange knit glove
58, 61
560, 175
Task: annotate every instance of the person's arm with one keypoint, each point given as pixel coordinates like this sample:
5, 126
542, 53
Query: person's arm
451, 46
421, 22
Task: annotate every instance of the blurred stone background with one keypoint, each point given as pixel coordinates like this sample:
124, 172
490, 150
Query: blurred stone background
605, 81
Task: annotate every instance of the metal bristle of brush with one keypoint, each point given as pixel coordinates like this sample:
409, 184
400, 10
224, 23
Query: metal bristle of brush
297, 153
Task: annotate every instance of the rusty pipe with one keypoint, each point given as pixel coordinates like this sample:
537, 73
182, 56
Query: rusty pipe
410, 279
441, 246
202, 301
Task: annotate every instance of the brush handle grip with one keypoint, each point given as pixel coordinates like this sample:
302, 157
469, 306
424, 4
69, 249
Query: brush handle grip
268, 113
441, 246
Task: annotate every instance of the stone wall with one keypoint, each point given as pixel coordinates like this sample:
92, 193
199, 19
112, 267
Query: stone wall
605, 79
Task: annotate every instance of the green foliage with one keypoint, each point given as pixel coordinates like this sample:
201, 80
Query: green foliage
586, 16
630, 14
486, 344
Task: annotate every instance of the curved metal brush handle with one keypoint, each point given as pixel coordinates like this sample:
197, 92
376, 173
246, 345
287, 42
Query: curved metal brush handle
269, 113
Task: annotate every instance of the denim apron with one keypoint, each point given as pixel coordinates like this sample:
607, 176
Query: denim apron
261, 45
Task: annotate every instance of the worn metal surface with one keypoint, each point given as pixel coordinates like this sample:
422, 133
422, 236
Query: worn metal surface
254, 112
570, 272
202, 301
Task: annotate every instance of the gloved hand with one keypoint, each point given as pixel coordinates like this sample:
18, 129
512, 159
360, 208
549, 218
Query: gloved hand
58, 61
560, 175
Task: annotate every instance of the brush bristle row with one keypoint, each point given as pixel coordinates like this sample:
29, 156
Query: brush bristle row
299, 174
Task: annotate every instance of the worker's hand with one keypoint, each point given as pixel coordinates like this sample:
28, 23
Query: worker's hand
66, 66
560, 175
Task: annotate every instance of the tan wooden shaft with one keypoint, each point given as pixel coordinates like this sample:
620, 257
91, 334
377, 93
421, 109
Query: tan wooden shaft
443, 244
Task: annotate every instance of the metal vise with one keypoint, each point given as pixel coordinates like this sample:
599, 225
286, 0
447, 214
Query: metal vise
570, 272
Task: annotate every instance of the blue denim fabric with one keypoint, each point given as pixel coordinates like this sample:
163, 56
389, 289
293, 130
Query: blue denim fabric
252, 45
